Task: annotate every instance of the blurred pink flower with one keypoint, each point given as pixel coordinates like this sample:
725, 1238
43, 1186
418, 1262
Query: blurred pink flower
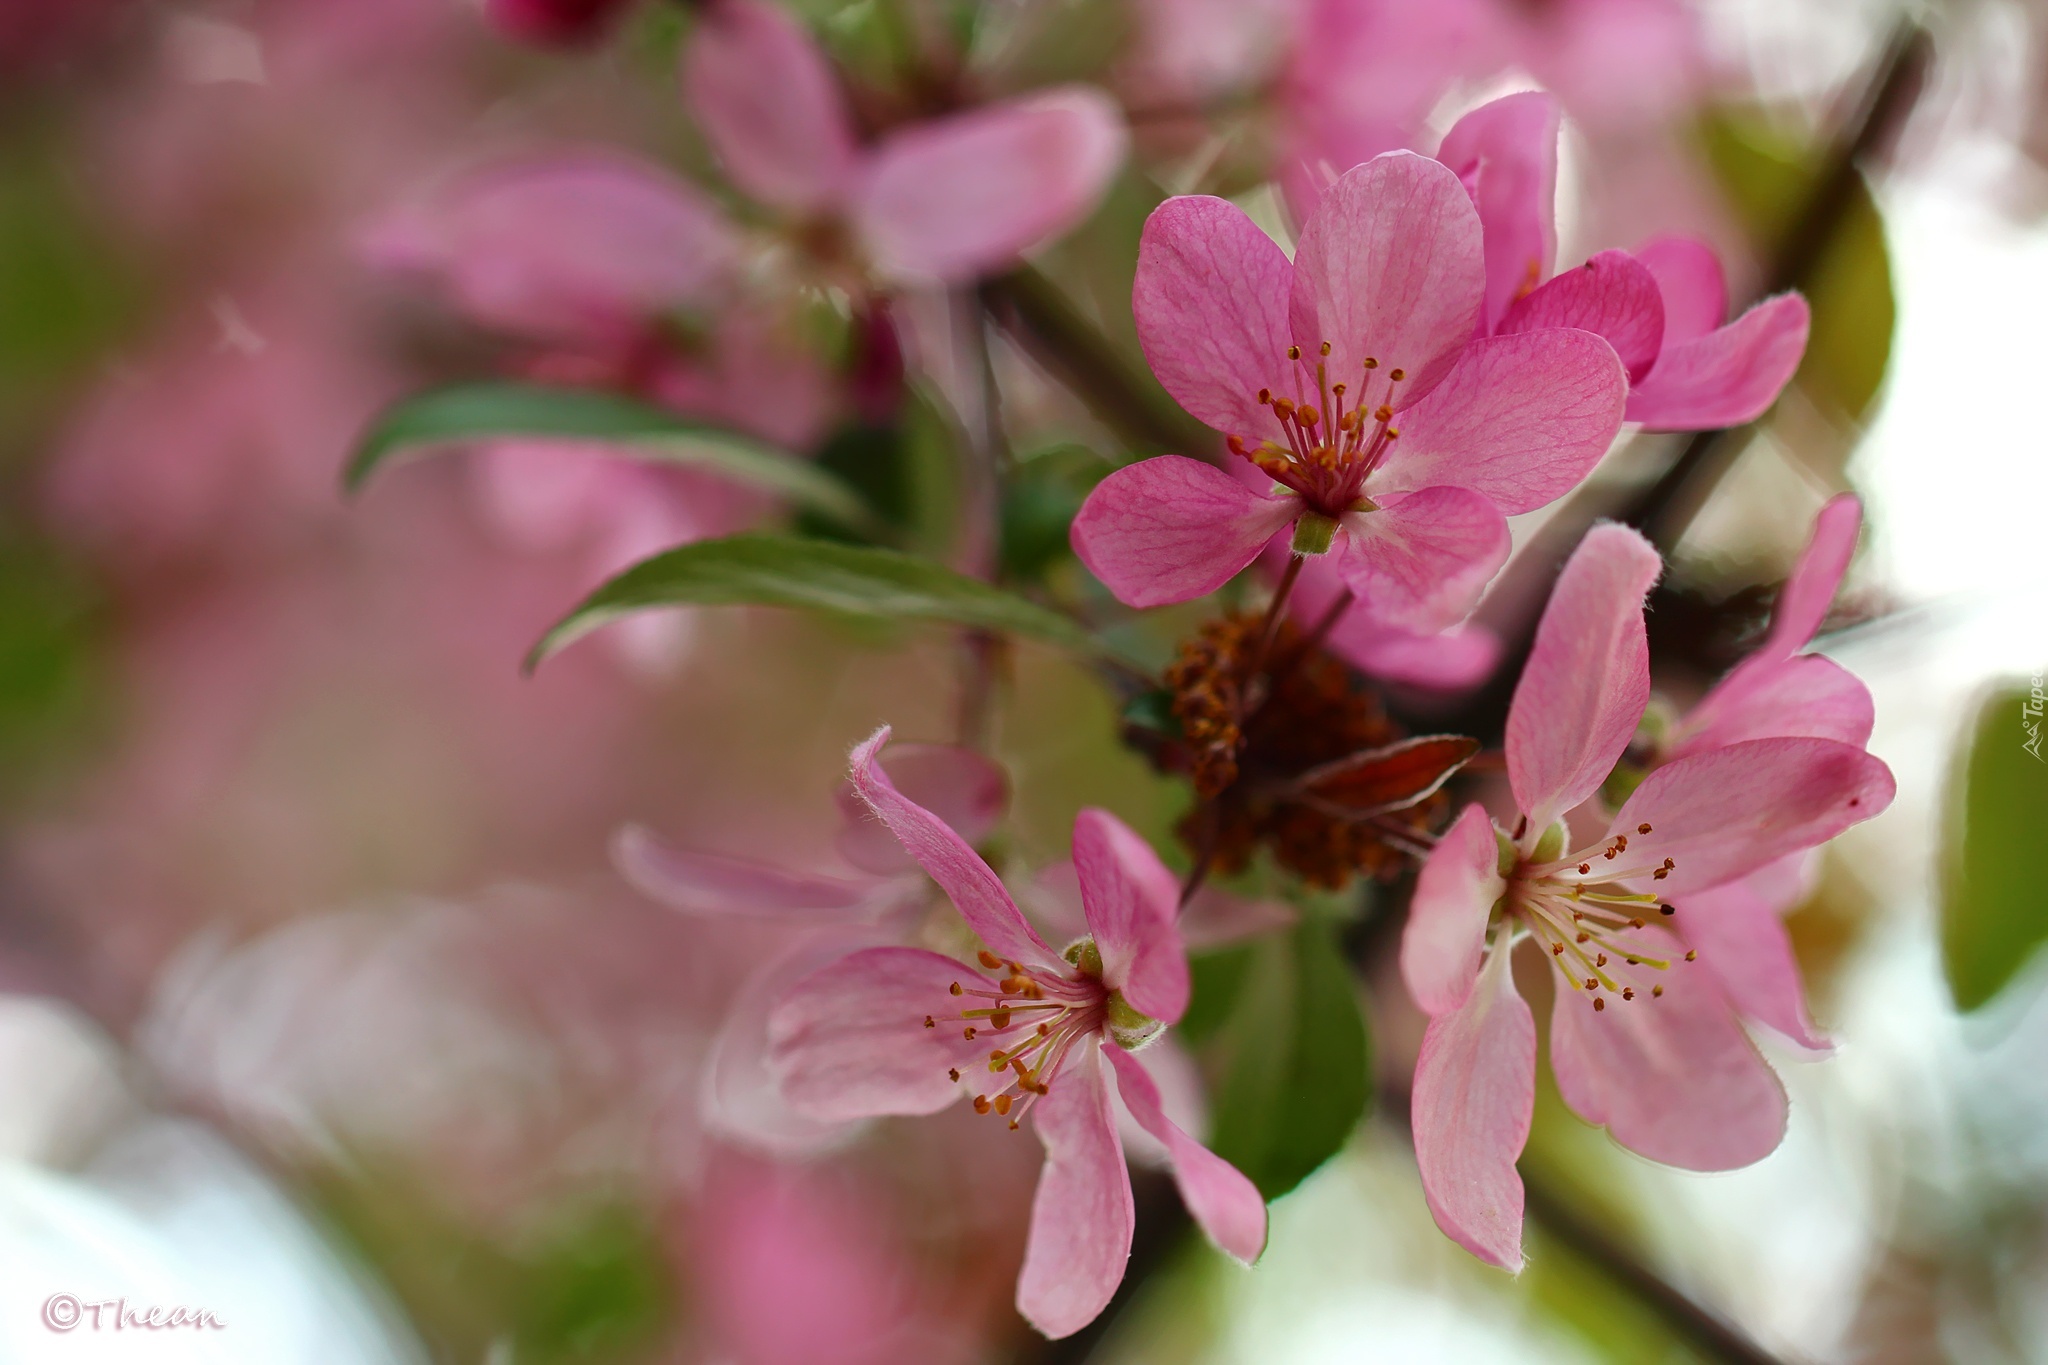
1363, 75
792, 1267
897, 1030
1661, 308
948, 198
1668, 1070
1384, 294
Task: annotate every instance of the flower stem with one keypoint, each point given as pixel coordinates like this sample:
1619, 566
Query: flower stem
1275, 610
981, 502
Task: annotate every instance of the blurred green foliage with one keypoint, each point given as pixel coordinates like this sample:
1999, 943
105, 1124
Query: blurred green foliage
590, 1287
1770, 180
52, 666
1044, 491
1279, 1029
1994, 901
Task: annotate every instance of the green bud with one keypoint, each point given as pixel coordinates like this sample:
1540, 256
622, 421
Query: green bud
1509, 855
1313, 532
1551, 845
1083, 953
1129, 1029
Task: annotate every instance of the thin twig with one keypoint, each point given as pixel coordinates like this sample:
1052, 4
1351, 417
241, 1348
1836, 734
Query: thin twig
981, 499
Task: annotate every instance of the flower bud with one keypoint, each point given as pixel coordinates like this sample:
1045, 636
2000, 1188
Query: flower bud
1129, 1029
553, 23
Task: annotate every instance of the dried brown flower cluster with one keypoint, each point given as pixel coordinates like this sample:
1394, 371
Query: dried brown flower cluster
1299, 756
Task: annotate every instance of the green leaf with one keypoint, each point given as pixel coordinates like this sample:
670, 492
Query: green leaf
1769, 181
472, 412
820, 575
1279, 1029
1994, 910
1044, 493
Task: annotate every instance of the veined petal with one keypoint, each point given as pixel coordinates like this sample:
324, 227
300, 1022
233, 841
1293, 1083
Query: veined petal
712, 884
1169, 529
1505, 151
1588, 677
1727, 377
768, 101
956, 197
850, 1042
1423, 559
1522, 419
1689, 278
1210, 301
1475, 1092
1765, 698
1672, 1077
1390, 267
1226, 1204
1808, 593
960, 872
1082, 1216
1612, 295
1722, 814
1131, 901
968, 790
1445, 938
1438, 660
1742, 941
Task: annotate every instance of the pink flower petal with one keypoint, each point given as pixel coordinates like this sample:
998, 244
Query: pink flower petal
968, 790
712, 884
1588, 677
1690, 281
1082, 1216
1131, 901
1764, 698
570, 248
1727, 377
1810, 591
768, 101
1226, 1204
1743, 942
1522, 419
1445, 937
1506, 153
1210, 301
1446, 660
972, 885
1612, 295
957, 197
1672, 1077
849, 1041
1390, 267
1723, 814
1170, 529
1475, 1092
1420, 562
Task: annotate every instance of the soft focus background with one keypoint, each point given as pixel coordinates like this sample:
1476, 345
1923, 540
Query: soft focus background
321, 1005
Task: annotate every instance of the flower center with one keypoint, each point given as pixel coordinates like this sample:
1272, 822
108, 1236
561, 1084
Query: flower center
1035, 1017
1335, 438
1596, 928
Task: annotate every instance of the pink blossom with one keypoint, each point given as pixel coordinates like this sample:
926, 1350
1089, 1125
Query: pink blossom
1662, 307
902, 1031
948, 198
877, 899
1777, 692
1645, 1038
1306, 367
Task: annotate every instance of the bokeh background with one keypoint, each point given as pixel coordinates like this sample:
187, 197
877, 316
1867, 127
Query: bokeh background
321, 1004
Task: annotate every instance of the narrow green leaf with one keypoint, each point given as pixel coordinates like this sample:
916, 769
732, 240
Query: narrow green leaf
1279, 1027
1994, 911
820, 575
472, 412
